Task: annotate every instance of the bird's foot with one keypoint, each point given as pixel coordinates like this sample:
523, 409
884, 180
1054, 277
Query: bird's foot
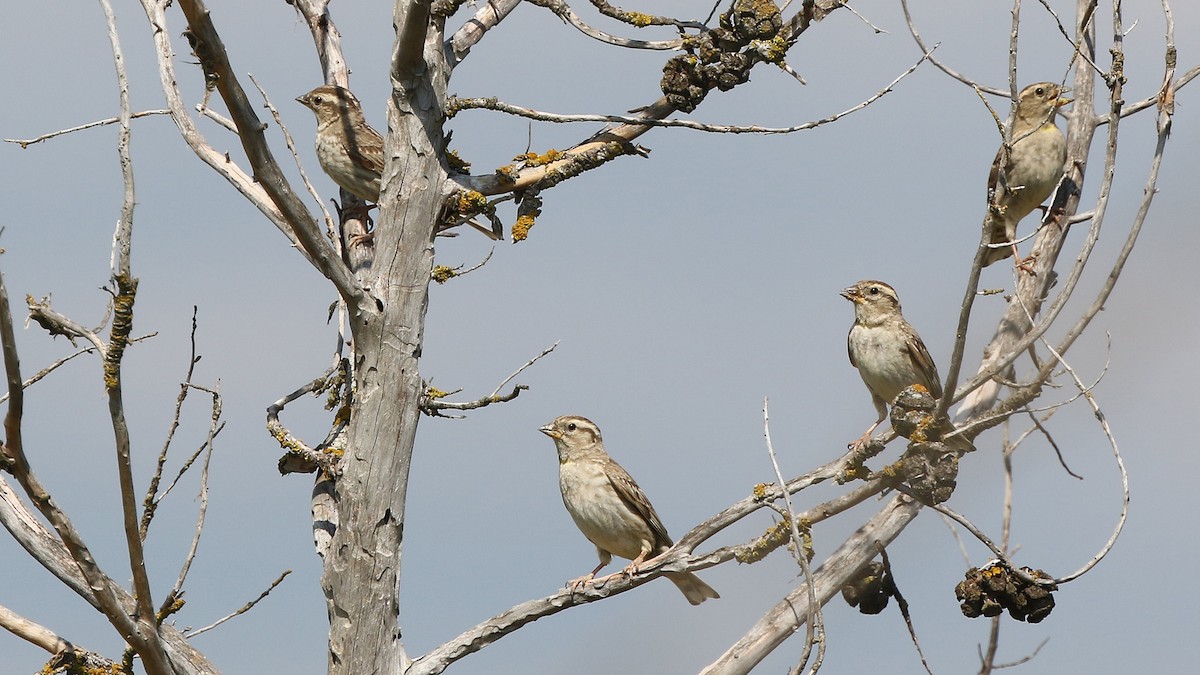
361, 211
861, 442
1025, 264
579, 582
366, 239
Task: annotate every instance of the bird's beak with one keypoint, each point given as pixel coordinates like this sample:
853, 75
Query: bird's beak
1062, 101
851, 294
551, 432
302, 100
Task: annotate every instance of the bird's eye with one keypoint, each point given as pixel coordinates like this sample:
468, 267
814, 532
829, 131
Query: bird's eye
571, 426
874, 290
317, 99
1040, 91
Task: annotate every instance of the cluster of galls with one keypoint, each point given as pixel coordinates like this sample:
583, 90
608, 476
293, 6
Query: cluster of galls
715, 58
870, 590
989, 590
928, 466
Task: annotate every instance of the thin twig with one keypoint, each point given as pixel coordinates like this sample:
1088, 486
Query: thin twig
912, 30
214, 427
518, 371
1063, 31
291, 145
902, 604
569, 16
149, 502
815, 625
33, 379
455, 104
25, 143
244, 608
287, 440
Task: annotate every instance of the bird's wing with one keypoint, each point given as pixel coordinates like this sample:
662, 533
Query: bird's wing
925, 366
629, 492
368, 151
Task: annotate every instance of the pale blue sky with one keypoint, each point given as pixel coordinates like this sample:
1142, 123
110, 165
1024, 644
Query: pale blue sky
684, 288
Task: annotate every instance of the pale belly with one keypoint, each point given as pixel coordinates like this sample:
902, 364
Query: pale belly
607, 522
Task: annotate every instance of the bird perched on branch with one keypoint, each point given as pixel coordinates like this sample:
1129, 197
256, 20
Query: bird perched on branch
609, 507
1024, 175
349, 150
888, 353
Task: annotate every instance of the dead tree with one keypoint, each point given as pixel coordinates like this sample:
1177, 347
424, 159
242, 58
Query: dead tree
382, 274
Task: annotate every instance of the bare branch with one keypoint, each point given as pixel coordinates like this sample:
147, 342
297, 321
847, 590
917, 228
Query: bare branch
150, 648
294, 446
291, 145
243, 609
456, 104
488, 16
568, 15
1112, 442
528, 363
1024, 659
31, 631
902, 605
214, 427
433, 407
640, 20
90, 125
609, 144
50, 552
782, 620
207, 45
912, 29
33, 379
148, 502
219, 161
1001, 554
326, 39
99, 588
815, 623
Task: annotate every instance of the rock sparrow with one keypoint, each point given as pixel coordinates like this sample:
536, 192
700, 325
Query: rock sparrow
609, 507
888, 353
349, 150
1033, 169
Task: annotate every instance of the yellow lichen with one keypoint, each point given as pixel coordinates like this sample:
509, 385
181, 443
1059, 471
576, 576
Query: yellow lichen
640, 20
442, 273
507, 173
470, 201
773, 50
534, 159
456, 163
520, 229
775, 536
435, 393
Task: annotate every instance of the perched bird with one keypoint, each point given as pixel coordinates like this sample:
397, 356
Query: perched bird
349, 150
609, 507
1032, 169
887, 351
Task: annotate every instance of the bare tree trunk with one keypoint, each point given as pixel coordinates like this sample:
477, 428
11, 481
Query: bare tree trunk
362, 569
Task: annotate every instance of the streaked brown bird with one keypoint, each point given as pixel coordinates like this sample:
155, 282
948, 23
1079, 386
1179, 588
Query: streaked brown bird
887, 352
349, 150
609, 507
1032, 170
